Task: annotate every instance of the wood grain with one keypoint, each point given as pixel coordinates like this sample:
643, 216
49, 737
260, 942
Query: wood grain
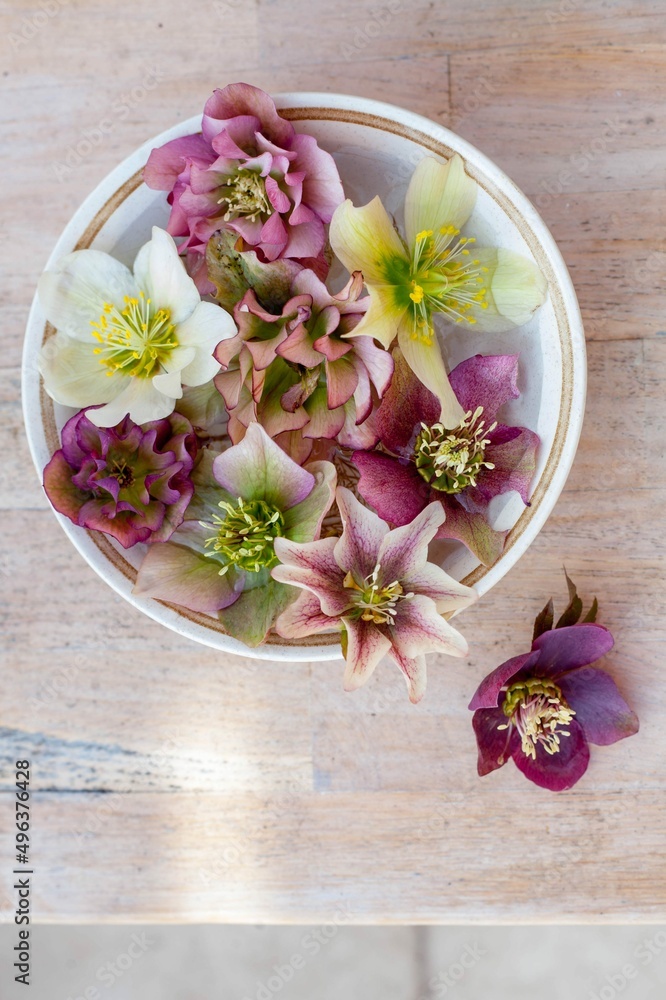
174, 783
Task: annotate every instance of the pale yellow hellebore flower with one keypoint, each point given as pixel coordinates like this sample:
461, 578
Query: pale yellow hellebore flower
434, 270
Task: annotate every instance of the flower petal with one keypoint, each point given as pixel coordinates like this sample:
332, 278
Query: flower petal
64, 495
449, 595
364, 239
427, 363
304, 617
562, 770
383, 318
322, 188
420, 629
405, 406
366, 646
251, 617
73, 375
208, 325
488, 381
160, 272
242, 99
140, 399
257, 469
415, 673
495, 745
439, 194
514, 464
394, 488
313, 567
600, 708
515, 288
302, 522
404, 550
73, 294
168, 161
487, 694
564, 649
357, 550
472, 529
173, 572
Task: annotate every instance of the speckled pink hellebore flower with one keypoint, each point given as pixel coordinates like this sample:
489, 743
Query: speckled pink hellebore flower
296, 372
544, 707
379, 587
251, 172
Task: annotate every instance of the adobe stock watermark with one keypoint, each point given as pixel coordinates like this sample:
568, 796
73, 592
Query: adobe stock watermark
553, 187
98, 817
310, 945
222, 7
562, 12
235, 852
53, 687
94, 136
110, 972
31, 26
447, 979
367, 32
401, 173
644, 953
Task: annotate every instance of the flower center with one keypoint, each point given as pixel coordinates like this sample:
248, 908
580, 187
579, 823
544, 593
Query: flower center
123, 473
451, 460
537, 708
374, 602
245, 536
244, 194
136, 340
444, 279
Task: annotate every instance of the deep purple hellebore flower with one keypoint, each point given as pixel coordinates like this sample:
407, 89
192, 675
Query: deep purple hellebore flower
128, 481
463, 467
544, 707
251, 172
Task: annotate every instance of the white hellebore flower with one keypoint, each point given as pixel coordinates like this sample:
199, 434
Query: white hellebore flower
130, 341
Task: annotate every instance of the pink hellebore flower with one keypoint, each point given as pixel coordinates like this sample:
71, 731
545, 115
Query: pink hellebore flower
128, 481
544, 707
295, 372
249, 171
379, 586
461, 468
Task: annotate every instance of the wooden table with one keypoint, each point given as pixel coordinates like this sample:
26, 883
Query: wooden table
174, 783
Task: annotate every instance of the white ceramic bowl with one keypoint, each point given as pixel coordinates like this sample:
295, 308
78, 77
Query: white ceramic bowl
376, 147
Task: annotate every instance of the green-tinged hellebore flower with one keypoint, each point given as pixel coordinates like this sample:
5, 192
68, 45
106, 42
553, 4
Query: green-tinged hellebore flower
219, 560
435, 270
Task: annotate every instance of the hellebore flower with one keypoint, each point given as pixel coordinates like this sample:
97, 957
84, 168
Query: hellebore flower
127, 481
379, 587
130, 341
461, 467
296, 372
544, 707
248, 171
219, 560
433, 272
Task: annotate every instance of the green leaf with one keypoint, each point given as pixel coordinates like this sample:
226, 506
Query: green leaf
572, 613
544, 620
591, 616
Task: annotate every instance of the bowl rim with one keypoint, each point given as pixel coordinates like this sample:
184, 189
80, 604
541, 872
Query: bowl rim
120, 182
